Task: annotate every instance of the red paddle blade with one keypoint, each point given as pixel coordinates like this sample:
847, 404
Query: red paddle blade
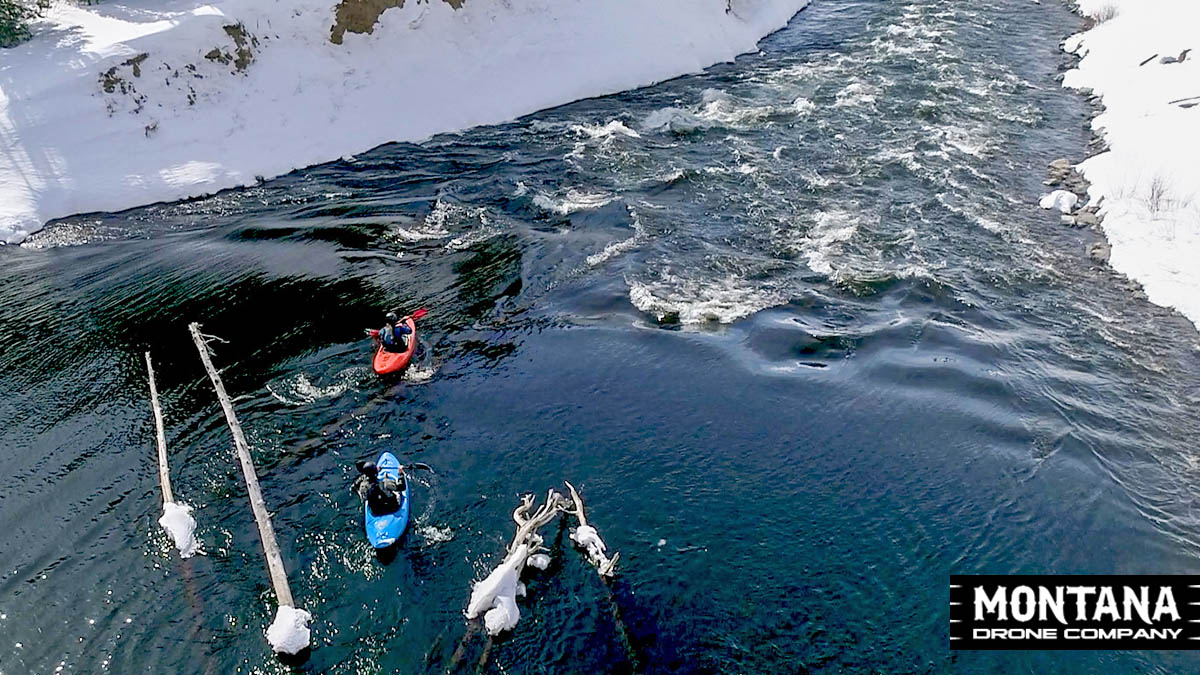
419, 313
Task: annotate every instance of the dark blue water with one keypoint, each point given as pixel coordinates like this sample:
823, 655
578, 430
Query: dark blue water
794, 326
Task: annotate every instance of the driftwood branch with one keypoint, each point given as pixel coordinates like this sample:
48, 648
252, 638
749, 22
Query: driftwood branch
527, 526
586, 537
495, 597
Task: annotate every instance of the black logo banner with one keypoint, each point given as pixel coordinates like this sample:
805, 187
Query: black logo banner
1074, 612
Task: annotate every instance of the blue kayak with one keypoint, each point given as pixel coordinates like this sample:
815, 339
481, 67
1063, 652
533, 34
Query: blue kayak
383, 531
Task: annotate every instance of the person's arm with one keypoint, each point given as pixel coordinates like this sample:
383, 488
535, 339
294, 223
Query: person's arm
403, 327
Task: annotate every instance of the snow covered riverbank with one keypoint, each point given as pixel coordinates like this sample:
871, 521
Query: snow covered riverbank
1142, 58
132, 102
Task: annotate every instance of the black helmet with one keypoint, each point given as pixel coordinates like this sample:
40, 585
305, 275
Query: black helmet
368, 468
391, 317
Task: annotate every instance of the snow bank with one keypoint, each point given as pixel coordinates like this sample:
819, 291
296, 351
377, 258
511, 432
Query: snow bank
289, 633
127, 103
1148, 183
178, 522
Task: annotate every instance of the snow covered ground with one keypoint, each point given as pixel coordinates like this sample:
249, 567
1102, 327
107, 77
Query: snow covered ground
1148, 183
132, 102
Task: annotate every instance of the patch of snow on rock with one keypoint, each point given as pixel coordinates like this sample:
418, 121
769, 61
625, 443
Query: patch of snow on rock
1059, 199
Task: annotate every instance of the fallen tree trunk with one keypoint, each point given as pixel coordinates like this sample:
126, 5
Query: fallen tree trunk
177, 517
289, 632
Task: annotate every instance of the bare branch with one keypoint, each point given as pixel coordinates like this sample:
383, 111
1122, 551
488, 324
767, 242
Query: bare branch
578, 510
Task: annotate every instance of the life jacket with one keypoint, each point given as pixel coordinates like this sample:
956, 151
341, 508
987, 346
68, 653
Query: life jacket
388, 336
384, 497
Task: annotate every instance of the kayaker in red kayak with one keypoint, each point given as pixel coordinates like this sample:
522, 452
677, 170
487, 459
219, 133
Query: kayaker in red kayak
394, 334
395, 343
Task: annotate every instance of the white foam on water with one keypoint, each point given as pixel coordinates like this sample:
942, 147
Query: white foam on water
971, 215
717, 109
434, 535
298, 389
857, 93
906, 157
823, 242
973, 142
472, 238
618, 247
697, 302
420, 373
434, 225
573, 200
614, 128
446, 218
815, 179
673, 119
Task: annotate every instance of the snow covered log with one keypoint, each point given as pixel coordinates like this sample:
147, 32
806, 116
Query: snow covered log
288, 633
1061, 200
177, 517
586, 537
496, 595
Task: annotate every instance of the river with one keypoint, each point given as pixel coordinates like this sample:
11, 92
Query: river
794, 326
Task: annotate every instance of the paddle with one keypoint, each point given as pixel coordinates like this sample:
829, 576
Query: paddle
415, 315
422, 466
372, 332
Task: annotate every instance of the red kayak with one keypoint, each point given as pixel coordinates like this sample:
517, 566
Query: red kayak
387, 363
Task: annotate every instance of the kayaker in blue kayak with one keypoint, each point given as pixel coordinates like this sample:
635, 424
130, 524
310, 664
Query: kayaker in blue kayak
394, 334
382, 496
